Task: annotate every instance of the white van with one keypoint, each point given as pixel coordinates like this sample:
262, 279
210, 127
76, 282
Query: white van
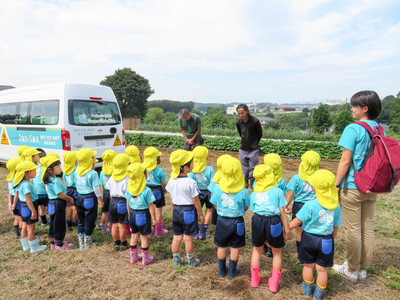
60, 117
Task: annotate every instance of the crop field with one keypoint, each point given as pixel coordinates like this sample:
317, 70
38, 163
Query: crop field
101, 273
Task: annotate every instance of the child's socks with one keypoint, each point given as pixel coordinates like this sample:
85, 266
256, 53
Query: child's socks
222, 267
17, 232
233, 268
273, 281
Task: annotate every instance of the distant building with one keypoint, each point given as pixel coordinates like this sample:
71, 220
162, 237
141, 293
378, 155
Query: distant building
231, 110
333, 102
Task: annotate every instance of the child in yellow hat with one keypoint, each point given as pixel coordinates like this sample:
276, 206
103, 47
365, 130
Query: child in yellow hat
20, 150
300, 189
89, 193
58, 201
141, 211
267, 202
69, 178
156, 181
232, 200
203, 175
26, 170
13, 204
184, 196
117, 212
320, 219
134, 154
105, 175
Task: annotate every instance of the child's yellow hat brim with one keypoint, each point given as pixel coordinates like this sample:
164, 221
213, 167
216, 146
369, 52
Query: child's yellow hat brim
325, 189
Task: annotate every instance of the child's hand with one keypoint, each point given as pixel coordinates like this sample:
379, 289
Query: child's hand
101, 204
13, 206
287, 209
287, 236
10, 206
153, 222
201, 218
34, 215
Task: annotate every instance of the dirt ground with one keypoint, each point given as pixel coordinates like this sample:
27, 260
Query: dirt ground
101, 273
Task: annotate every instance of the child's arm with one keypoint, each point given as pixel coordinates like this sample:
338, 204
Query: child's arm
288, 234
335, 231
128, 209
295, 223
172, 203
31, 206
9, 202
289, 198
99, 194
16, 199
67, 198
164, 184
153, 214
197, 204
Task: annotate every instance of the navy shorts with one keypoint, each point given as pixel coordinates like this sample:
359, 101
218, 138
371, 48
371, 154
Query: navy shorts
230, 232
118, 212
204, 198
106, 201
158, 193
43, 199
26, 213
317, 249
267, 229
71, 191
296, 208
16, 211
184, 220
140, 221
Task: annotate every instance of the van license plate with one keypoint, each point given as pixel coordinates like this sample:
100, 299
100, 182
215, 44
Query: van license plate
100, 143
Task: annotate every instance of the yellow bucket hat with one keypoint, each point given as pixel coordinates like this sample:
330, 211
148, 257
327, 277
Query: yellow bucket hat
28, 153
310, 161
137, 181
120, 163
69, 162
46, 162
85, 163
220, 160
232, 179
275, 162
265, 178
199, 159
108, 157
21, 149
11, 165
324, 183
21, 168
177, 159
54, 154
133, 153
150, 158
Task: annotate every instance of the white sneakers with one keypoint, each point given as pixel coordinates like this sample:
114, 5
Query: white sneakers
343, 270
362, 274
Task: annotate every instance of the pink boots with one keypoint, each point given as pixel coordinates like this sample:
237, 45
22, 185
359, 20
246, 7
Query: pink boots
159, 231
146, 258
255, 276
273, 281
134, 255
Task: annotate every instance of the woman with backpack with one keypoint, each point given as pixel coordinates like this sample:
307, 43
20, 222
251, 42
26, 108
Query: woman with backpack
358, 208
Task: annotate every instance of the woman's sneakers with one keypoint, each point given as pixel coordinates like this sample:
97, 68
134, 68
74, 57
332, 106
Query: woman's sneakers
343, 270
362, 275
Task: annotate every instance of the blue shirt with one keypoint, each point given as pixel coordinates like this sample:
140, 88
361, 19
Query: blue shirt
319, 220
268, 203
155, 177
24, 188
38, 182
141, 201
86, 183
104, 179
283, 186
204, 178
11, 188
302, 190
54, 187
356, 139
230, 205
212, 186
70, 180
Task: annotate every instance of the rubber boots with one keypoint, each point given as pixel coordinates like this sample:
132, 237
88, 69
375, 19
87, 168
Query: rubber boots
146, 258
25, 244
81, 242
255, 276
35, 247
273, 281
233, 268
159, 231
134, 255
222, 267
203, 232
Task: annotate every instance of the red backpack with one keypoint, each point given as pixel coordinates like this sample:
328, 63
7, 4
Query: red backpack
380, 171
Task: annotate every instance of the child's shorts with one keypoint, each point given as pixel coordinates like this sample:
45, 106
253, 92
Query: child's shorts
140, 221
43, 199
296, 208
71, 191
118, 211
184, 220
16, 211
267, 229
317, 249
204, 198
106, 201
26, 213
230, 232
158, 193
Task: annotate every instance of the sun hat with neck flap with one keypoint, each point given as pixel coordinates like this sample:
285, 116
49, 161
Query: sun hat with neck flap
120, 163
232, 179
21, 149
69, 162
108, 157
85, 162
220, 160
11, 166
28, 153
179, 158
150, 158
310, 161
137, 182
200, 154
324, 183
265, 178
21, 168
275, 162
133, 153
46, 162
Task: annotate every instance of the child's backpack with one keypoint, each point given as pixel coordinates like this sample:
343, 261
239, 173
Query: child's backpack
380, 171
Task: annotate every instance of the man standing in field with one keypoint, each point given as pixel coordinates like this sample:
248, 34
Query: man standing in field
250, 131
191, 129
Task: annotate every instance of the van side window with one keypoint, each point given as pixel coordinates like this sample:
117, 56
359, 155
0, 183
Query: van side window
8, 113
44, 113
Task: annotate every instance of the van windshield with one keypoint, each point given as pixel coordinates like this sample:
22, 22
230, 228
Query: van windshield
93, 113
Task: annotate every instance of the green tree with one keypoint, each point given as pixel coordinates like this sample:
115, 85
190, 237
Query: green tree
320, 119
197, 112
395, 112
270, 115
215, 120
341, 120
170, 105
387, 105
131, 90
215, 110
154, 114
170, 117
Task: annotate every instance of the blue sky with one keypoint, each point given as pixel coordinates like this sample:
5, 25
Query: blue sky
208, 51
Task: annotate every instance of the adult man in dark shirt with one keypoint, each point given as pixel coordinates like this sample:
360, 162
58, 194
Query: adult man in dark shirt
191, 129
250, 131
